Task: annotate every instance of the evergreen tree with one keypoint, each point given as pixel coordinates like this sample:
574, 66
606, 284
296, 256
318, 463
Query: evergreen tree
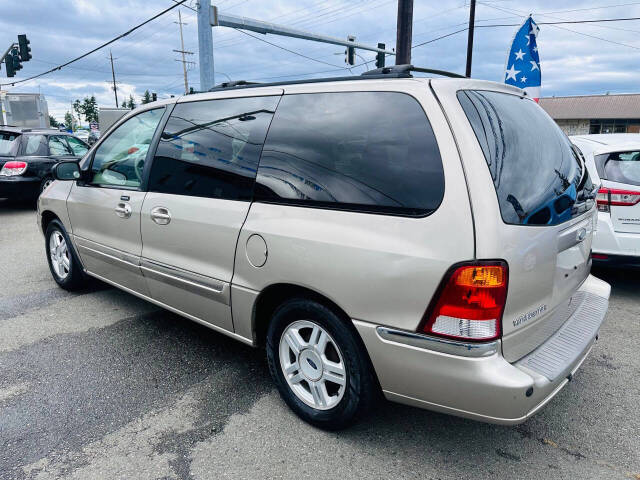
146, 97
131, 103
53, 122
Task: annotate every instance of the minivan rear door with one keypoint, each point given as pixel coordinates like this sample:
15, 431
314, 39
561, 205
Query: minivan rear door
533, 204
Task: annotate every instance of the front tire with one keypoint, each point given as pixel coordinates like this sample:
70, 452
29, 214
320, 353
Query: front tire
319, 364
63, 264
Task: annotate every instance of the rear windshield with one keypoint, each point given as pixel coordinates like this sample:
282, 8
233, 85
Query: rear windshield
9, 142
537, 173
623, 167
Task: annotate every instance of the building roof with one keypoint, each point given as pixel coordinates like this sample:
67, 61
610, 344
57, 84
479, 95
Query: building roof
593, 106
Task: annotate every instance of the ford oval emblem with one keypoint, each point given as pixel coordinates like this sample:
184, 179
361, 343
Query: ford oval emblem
581, 234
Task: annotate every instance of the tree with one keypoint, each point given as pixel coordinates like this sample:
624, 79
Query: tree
124, 104
131, 103
68, 120
146, 98
53, 122
87, 108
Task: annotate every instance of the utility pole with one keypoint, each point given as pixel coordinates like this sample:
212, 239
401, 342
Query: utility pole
113, 76
205, 45
183, 52
403, 38
472, 21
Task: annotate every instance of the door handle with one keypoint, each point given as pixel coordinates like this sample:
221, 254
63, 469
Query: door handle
123, 210
161, 215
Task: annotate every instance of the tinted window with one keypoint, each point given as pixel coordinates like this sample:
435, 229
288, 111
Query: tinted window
58, 146
9, 142
119, 160
78, 146
211, 148
536, 173
364, 151
35, 145
623, 167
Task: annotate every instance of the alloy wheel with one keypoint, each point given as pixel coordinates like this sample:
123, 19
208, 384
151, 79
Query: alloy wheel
59, 254
312, 364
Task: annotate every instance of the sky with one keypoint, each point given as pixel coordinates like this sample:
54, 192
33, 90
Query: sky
576, 59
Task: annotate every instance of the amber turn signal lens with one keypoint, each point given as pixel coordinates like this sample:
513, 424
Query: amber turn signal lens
488, 276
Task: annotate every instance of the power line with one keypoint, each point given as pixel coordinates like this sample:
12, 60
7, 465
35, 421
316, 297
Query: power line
178, 3
288, 50
626, 19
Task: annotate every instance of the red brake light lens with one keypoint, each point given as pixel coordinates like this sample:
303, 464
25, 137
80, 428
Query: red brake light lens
470, 303
13, 168
614, 197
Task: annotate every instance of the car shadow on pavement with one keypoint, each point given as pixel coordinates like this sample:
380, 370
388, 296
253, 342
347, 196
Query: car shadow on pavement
622, 280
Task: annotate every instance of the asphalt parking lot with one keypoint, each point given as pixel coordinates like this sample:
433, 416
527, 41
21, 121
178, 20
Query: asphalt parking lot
103, 385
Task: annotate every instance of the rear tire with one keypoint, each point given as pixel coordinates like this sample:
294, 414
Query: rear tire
46, 181
63, 264
319, 364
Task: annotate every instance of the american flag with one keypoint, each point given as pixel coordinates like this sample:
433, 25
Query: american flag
523, 64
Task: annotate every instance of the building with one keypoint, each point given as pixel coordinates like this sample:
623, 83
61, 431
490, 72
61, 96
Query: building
595, 113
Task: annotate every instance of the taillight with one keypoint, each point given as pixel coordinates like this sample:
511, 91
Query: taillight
469, 303
613, 196
13, 168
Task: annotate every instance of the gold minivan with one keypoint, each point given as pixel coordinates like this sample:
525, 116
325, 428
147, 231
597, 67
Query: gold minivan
427, 238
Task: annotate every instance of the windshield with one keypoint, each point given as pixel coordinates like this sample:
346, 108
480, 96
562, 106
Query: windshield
9, 142
623, 167
540, 179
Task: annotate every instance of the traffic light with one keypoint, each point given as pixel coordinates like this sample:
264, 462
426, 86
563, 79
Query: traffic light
380, 56
15, 57
8, 63
25, 49
350, 52
154, 96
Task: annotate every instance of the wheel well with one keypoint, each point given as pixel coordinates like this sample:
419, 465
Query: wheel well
47, 218
274, 295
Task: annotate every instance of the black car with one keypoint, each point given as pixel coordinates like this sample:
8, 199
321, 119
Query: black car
27, 156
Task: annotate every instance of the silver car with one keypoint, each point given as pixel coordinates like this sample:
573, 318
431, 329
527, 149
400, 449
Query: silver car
425, 238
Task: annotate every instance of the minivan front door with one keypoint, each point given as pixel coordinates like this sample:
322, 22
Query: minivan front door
200, 190
104, 210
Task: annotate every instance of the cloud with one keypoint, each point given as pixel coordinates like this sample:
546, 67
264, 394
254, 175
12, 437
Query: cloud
572, 63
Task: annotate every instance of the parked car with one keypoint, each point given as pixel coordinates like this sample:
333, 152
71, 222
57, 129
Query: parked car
26, 158
614, 163
429, 238
94, 135
82, 135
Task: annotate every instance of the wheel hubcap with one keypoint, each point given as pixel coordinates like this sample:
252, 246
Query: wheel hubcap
312, 365
59, 254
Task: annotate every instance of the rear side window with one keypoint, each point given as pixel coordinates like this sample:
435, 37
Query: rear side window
623, 167
35, 145
537, 174
362, 151
211, 148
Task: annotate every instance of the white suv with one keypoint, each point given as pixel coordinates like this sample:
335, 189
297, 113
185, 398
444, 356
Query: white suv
427, 238
614, 163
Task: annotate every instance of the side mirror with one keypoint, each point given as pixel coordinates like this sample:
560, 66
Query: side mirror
66, 171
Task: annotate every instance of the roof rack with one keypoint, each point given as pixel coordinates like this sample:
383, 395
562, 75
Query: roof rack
406, 69
395, 71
